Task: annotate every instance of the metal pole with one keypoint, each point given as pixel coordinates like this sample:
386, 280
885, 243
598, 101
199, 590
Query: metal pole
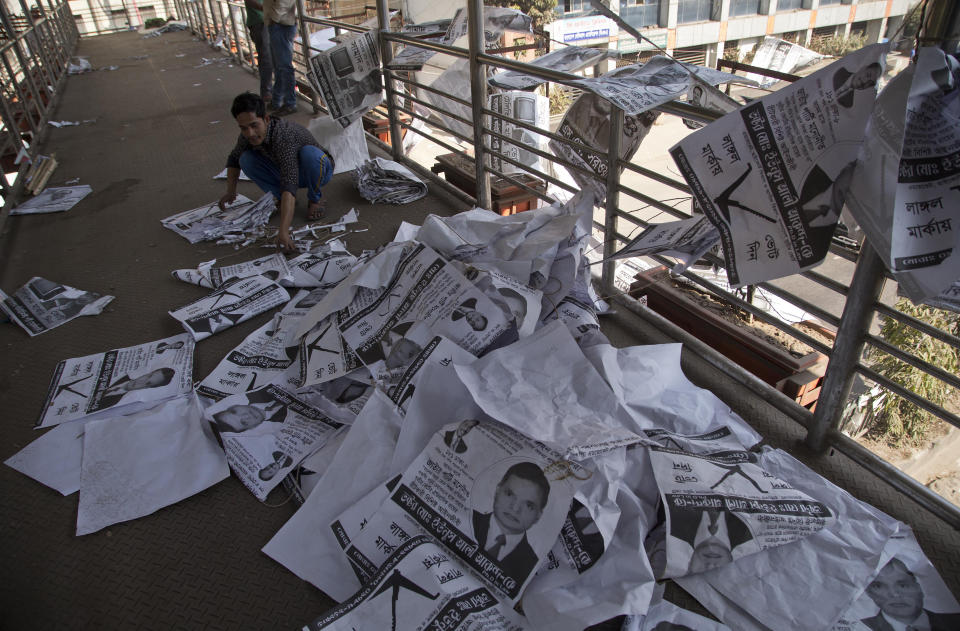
236, 34
21, 61
854, 323
305, 44
93, 16
40, 57
386, 54
24, 100
478, 92
608, 272
55, 19
254, 58
202, 11
216, 23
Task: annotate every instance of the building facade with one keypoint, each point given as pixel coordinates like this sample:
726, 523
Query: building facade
701, 31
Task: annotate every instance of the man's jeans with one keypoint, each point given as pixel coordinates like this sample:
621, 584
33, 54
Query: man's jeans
281, 54
261, 41
315, 167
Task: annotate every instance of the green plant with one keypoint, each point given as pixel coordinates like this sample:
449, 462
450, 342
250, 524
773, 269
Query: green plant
838, 46
560, 100
897, 420
154, 22
541, 11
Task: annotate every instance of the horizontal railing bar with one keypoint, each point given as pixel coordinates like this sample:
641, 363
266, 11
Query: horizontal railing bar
909, 395
655, 203
919, 325
334, 23
544, 176
435, 107
438, 125
896, 478
454, 51
657, 177
541, 194
913, 360
428, 89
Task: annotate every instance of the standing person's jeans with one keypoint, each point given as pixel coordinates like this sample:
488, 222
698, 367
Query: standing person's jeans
281, 52
314, 165
261, 41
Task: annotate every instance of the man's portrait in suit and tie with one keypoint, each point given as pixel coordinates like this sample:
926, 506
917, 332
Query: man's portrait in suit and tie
115, 391
518, 503
454, 438
846, 83
898, 594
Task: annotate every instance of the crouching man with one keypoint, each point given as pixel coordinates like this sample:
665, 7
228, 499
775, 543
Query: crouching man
281, 157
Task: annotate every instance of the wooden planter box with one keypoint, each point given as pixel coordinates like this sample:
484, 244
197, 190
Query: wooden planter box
379, 125
506, 197
800, 378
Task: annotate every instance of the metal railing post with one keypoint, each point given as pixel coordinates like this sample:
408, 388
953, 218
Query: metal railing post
216, 23
28, 76
608, 271
305, 44
236, 34
94, 17
202, 11
478, 93
40, 57
855, 322
251, 49
386, 55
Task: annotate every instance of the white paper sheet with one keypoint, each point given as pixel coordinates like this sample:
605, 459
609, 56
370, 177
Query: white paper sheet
543, 386
134, 466
347, 144
53, 459
305, 545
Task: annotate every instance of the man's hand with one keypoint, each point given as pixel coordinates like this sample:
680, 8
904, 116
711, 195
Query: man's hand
287, 201
284, 242
233, 175
228, 198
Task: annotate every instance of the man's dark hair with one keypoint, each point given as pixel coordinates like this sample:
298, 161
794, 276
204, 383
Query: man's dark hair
167, 373
248, 102
531, 473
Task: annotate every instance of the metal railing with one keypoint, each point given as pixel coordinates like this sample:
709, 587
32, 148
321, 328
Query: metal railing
413, 107
34, 55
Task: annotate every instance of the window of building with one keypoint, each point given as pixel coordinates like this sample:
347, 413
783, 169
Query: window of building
789, 5
744, 7
795, 37
640, 13
574, 6
693, 10
692, 55
824, 3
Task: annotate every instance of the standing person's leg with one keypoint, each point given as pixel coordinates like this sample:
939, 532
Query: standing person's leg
261, 42
281, 50
316, 169
262, 171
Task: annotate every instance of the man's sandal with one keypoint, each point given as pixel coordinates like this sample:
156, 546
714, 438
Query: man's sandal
315, 211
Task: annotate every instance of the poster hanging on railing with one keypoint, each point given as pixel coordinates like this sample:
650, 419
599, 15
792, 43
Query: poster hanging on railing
772, 176
905, 193
348, 77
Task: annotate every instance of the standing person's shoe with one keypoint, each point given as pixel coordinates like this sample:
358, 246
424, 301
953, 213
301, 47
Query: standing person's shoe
284, 111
